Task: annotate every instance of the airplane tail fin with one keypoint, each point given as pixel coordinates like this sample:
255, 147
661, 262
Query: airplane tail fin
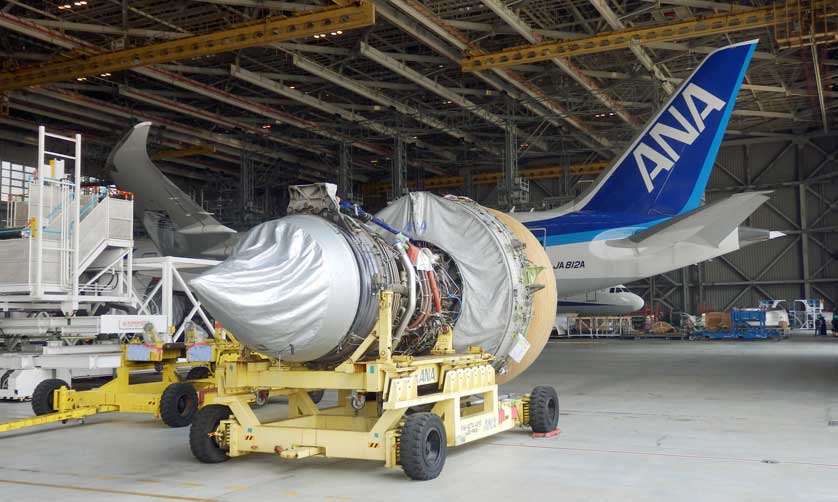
133, 170
665, 169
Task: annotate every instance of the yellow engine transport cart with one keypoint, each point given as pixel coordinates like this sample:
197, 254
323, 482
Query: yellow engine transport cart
404, 411
170, 399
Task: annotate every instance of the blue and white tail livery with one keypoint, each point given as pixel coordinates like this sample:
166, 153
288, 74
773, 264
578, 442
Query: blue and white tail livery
665, 170
642, 216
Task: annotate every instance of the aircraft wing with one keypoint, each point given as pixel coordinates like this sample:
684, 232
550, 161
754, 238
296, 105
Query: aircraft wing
707, 225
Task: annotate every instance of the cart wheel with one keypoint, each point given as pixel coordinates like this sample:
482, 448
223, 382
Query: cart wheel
423, 445
198, 373
261, 398
544, 409
42, 396
203, 445
178, 404
316, 395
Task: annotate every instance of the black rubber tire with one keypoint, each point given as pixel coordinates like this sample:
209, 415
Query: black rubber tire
198, 373
42, 396
178, 404
316, 395
544, 409
423, 446
204, 447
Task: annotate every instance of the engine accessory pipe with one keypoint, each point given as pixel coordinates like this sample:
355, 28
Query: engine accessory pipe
359, 212
411, 288
435, 291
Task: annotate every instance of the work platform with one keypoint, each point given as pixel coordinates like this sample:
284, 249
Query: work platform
75, 248
69, 285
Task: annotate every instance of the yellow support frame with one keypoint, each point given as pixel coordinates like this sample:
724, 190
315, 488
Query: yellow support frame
355, 14
119, 395
370, 431
624, 39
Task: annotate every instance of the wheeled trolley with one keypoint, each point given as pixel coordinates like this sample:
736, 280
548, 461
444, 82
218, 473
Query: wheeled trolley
172, 400
402, 410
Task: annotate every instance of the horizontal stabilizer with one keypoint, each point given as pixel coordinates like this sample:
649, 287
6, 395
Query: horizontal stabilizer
750, 235
707, 225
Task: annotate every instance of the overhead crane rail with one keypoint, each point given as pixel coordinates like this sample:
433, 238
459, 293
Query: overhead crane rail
785, 14
492, 178
355, 14
183, 152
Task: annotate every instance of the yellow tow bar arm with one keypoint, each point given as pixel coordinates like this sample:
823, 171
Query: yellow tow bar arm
61, 416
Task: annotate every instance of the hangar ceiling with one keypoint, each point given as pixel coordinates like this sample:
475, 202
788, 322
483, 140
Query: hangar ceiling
293, 104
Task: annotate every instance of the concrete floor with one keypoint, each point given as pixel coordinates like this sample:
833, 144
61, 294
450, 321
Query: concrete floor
641, 420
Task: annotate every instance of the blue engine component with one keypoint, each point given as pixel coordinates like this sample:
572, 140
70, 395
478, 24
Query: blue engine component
746, 325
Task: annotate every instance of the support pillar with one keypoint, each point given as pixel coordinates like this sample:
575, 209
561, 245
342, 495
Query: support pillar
508, 188
399, 168
804, 224
345, 171
468, 181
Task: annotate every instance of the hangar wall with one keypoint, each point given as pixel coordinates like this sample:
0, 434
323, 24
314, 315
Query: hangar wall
802, 173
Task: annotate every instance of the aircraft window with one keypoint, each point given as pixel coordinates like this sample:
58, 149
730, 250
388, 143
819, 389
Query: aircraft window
611, 290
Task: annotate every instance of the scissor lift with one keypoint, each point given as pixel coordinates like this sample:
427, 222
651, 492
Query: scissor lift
402, 410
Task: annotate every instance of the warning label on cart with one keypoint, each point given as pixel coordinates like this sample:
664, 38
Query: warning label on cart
130, 323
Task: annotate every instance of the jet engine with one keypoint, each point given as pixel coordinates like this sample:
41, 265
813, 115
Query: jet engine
305, 288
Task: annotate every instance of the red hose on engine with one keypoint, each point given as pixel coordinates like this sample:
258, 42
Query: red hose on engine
428, 287
435, 292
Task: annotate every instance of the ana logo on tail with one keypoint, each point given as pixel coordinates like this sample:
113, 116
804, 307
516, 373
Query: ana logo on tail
693, 95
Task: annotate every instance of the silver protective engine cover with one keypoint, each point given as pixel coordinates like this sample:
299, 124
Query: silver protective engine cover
289, 290
496, 305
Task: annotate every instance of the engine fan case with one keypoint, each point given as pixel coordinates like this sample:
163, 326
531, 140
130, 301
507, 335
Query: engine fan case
493, 253
543, 301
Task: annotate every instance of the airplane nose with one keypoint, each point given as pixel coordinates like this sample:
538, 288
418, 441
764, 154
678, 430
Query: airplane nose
636, 303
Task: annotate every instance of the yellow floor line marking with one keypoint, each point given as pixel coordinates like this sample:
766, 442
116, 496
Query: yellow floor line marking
189, 483
103, 490
148, 480
237, 488
292, 493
